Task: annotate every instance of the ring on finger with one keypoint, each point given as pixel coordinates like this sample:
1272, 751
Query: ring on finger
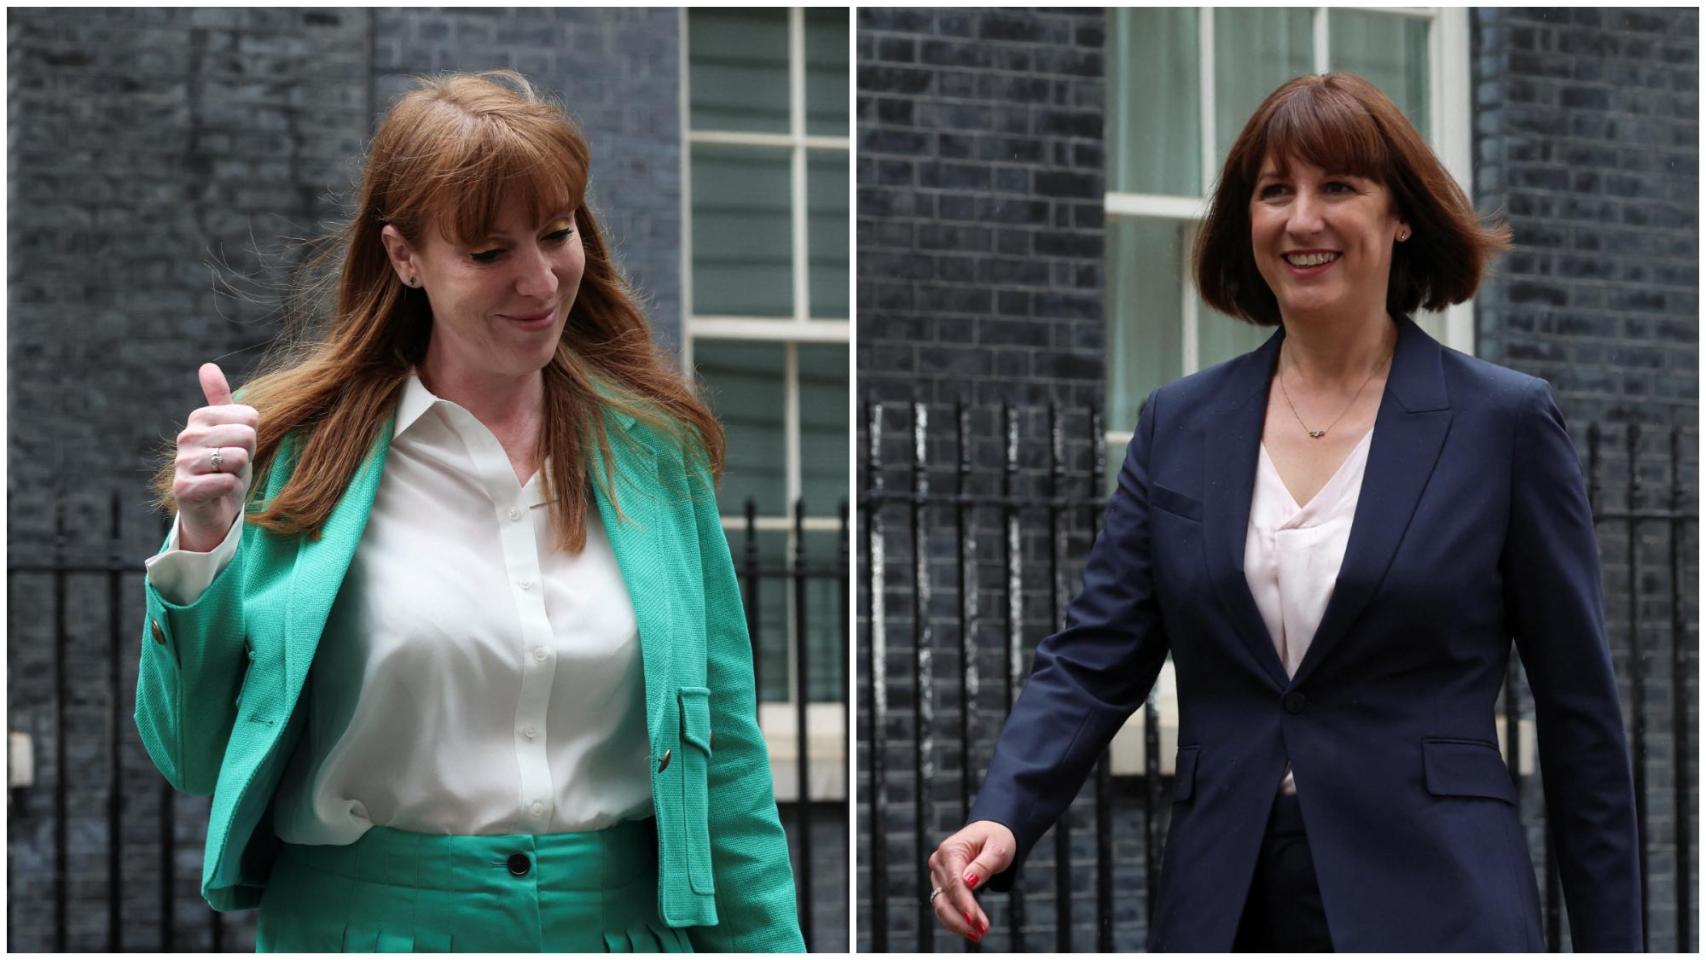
216, 460
934, 894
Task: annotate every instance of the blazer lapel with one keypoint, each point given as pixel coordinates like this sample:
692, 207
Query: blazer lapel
1230, 449
639, 540
1409, 432
321, 564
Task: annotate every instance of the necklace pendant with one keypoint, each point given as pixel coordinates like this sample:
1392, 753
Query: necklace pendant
1317, 434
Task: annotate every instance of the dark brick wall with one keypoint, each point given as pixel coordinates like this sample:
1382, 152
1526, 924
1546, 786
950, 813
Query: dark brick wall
1587, 133
980, 186
147, 145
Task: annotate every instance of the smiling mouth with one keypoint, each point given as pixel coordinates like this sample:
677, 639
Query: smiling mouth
540, 317
1314, 259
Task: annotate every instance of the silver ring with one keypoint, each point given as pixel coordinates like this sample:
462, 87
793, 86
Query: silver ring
934, 894
216, 460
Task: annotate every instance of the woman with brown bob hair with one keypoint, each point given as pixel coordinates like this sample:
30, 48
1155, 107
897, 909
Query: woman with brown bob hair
1336, 537
447, 624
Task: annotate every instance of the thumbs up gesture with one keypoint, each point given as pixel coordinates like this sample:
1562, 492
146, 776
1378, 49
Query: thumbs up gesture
216, 451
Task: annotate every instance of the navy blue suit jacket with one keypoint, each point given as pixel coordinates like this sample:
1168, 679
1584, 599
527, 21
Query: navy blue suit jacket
1472, 528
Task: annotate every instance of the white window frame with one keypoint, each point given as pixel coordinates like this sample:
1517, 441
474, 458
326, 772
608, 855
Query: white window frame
826, 733
1449, 133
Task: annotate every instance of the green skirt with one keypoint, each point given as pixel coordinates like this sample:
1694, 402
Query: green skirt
398, 891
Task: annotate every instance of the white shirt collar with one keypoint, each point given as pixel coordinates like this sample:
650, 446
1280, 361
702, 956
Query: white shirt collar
417, 400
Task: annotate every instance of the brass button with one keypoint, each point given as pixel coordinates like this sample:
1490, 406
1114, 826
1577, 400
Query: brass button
664, 763
159, 634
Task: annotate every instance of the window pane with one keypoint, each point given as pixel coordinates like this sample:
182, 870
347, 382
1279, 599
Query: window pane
1390, 51
826, 71
769, 555
826, 231
742, 232
823, 428
1154, 127
745, 386
1255, 50
1144, 313
1220, 337
737, 72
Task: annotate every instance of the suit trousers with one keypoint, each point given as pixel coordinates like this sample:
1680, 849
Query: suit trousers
1283, 912
401, 891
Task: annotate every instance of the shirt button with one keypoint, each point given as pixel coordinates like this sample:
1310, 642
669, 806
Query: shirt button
514, 514
525, 584
539, 653
538, 808
530, 733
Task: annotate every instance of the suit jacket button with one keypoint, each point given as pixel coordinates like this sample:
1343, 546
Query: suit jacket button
1294, 702
159, 634
664, 763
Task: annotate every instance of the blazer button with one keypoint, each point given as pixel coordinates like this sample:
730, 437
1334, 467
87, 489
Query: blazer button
519, 865
664, 763
159, 634
1294, 702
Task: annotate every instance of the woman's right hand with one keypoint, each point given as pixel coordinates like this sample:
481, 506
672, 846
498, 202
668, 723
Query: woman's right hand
209, 499
962, 864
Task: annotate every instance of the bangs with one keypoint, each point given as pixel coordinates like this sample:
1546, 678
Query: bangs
497, 161
1326, 128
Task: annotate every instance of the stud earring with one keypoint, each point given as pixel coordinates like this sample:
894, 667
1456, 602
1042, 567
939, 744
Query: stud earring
1403, 235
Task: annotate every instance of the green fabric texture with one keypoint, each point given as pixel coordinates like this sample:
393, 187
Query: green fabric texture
403, 892
221, 679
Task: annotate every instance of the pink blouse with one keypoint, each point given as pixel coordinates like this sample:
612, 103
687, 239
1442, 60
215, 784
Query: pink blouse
1292, 554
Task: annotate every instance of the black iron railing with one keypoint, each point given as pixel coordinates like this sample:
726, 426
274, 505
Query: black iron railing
929, 492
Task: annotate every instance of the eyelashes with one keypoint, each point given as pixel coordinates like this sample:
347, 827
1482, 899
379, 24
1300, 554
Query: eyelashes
493, 255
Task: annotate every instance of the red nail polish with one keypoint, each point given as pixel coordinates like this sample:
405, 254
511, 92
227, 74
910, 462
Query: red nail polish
971, 880
969, 921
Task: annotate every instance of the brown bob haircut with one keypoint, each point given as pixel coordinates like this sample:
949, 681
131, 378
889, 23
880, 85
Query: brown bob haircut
444, 158
1344, 124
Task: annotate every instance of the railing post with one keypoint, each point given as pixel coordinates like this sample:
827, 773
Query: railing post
876, 672
1637, 666
1057, 595
115, 766
1013, 651
61, 768
1679, 672
922, 703
802, 732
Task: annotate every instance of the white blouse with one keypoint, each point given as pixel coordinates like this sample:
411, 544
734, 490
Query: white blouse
471, 678
1292, 554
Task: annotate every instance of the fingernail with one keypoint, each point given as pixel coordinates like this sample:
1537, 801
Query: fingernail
984, 926
969, 921
971, 879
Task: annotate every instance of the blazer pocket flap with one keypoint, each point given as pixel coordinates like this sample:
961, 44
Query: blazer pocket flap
1185, 774
1175, 502
696, 716
1466, 768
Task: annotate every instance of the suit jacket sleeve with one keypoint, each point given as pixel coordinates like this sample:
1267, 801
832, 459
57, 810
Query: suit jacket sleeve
1088, 678
749, 852
1556, 611
192, 667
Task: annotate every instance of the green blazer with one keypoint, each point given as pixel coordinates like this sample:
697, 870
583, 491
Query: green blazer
218, 692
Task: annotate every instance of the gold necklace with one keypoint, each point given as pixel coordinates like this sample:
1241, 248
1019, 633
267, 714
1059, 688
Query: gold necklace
1318, 434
